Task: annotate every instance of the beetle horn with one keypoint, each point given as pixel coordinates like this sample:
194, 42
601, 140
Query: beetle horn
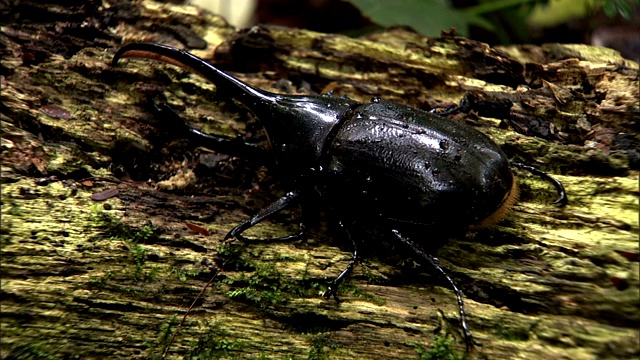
233, 87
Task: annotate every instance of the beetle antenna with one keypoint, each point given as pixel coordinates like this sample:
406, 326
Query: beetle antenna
216, 272
470, 342
562, 199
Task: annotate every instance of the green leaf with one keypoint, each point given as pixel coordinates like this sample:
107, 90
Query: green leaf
428, 17
624, 8
609, 8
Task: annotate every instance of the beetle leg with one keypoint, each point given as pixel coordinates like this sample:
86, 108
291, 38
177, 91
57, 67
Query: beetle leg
275, 207
436, 264
223, 144
562, 199
464, 106
332, 290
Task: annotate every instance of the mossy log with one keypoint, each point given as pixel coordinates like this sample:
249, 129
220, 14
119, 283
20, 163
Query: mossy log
83, 278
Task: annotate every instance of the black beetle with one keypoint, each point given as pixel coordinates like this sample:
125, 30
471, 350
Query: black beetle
381, 161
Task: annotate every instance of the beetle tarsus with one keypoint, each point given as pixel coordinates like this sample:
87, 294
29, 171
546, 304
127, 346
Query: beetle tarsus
470, 342
562, 194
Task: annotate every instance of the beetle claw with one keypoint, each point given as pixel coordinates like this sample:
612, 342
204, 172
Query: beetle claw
562, 193
470, 342
332, 291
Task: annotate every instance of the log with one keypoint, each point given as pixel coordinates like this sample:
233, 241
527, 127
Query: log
111, 227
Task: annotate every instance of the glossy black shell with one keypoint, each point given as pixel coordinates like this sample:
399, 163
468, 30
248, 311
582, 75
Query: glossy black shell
407, 165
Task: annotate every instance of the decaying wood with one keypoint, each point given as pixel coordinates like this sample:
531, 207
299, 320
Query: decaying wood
112, 278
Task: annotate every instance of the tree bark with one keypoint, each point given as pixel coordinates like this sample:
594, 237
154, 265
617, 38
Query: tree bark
113, 278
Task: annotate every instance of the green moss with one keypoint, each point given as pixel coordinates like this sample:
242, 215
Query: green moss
33, 351
321, 348
511, 333
213, 345
102, 280
167, 328
264, 287
135, 239
182, 274
441, 349
144, 234
138, 252
349, 288
101, 218
117, 229
231, 255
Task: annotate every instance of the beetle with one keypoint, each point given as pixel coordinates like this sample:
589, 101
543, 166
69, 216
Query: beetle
380, 161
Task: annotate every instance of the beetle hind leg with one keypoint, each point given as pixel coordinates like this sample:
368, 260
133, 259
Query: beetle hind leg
470, 342
562, 194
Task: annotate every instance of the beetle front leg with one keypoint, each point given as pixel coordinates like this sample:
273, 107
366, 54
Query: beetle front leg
464, 106
489, 107
470, 342
332, 290
176, 126
274, 208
